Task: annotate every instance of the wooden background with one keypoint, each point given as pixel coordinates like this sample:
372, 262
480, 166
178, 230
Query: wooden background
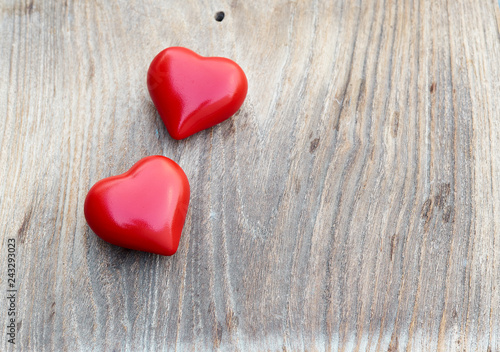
352, 204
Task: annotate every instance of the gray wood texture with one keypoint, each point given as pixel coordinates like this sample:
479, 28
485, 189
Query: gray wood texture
352, 204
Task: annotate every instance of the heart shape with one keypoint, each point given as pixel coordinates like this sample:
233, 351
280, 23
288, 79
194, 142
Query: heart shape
144, 208
192, 92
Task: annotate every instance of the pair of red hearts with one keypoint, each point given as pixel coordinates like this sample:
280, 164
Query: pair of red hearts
145, 208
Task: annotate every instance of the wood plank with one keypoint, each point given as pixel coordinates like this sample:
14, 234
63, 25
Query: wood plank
351, 204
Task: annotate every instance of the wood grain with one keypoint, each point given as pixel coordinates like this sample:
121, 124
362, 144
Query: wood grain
352, 204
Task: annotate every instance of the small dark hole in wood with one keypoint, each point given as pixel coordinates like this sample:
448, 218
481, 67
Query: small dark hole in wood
219, 16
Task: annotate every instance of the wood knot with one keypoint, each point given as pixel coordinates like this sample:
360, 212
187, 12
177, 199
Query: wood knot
314, 145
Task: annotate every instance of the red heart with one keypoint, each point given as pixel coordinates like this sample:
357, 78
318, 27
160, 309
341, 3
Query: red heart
192, 92
143, 209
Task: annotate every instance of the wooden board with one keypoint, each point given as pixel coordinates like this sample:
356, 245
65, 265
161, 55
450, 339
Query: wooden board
352, 204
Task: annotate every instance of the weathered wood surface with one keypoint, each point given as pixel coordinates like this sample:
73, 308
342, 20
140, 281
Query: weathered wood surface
353, 203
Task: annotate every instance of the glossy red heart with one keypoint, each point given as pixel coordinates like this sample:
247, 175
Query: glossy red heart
143, 209
192, 92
